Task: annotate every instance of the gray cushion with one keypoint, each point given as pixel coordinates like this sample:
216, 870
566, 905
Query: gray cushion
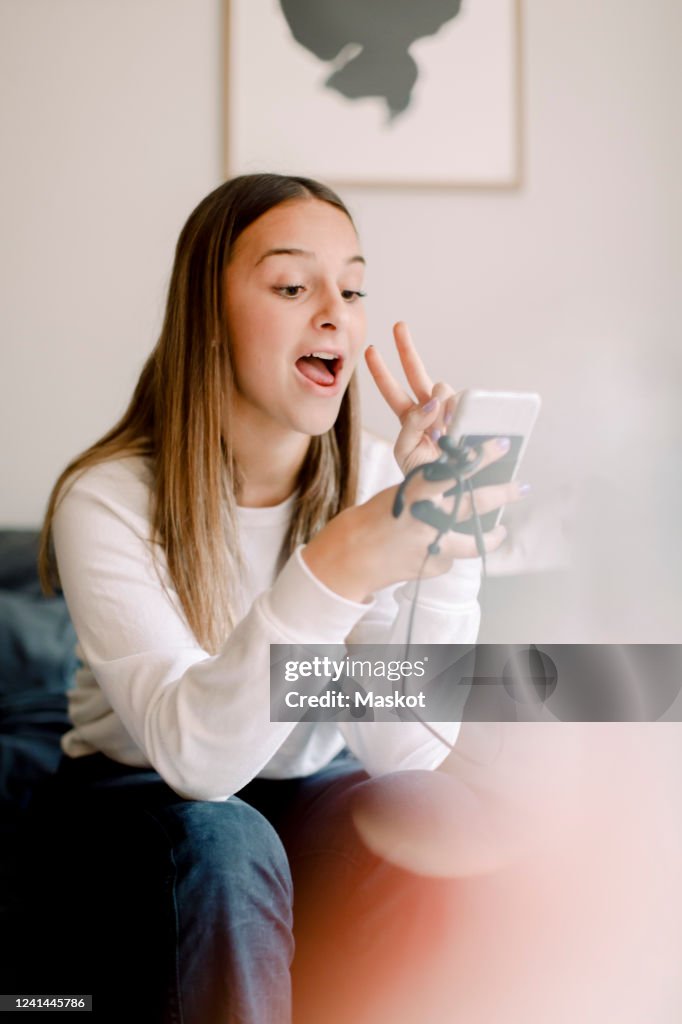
37, 665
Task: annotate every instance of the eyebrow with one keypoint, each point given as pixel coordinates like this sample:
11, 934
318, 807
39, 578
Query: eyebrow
302, 252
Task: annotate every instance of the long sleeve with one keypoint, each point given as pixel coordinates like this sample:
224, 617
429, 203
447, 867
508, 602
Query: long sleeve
203, 722
147, 694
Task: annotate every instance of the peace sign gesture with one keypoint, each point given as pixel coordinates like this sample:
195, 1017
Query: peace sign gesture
423, 418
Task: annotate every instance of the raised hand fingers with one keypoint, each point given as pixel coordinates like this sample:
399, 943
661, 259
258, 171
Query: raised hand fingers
396, 396
415, 371
419, 380
423, 420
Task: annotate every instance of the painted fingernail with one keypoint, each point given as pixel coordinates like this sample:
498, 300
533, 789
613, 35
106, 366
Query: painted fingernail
447, 419
525, 489
434, 434
504, 443
430, 405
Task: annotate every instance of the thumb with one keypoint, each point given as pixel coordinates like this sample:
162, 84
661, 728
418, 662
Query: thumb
417, 420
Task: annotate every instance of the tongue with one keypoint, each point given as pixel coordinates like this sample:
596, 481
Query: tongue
316, 370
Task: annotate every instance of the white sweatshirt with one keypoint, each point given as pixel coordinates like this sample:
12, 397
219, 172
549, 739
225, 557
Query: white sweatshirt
148, 694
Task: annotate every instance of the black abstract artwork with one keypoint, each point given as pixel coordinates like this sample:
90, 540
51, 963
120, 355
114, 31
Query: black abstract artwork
367, 43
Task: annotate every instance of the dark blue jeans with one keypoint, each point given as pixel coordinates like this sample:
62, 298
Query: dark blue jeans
184, 912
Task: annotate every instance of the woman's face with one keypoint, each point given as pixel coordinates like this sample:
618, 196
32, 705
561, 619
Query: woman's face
295, 319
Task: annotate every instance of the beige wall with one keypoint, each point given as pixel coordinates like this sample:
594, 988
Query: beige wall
111, 133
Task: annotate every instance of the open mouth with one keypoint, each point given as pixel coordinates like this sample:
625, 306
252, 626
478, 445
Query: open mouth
320, 367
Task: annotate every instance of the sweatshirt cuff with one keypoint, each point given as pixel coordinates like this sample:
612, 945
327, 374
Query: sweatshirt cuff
306, 610
458, 586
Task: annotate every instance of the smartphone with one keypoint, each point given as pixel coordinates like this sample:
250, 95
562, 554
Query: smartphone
481, 415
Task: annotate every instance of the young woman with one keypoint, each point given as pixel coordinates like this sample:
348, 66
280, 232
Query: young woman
236, 505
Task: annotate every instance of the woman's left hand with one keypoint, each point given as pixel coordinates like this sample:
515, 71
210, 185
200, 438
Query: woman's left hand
424, 418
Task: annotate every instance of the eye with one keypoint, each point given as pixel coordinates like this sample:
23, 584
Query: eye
290, 291
351, 296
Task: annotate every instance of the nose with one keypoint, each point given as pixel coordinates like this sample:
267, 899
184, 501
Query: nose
332, 311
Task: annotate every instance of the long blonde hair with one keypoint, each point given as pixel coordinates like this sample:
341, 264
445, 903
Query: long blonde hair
178, 418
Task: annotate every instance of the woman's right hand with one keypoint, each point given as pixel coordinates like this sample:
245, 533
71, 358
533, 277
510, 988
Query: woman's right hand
366, 548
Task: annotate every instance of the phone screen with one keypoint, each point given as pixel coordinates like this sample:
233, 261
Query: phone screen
499, 472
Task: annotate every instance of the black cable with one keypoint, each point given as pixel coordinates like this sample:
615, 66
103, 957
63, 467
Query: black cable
455, 461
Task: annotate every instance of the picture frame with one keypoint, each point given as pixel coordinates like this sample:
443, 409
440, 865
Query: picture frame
303, 96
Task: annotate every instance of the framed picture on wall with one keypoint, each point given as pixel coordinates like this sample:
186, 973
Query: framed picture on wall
375, 92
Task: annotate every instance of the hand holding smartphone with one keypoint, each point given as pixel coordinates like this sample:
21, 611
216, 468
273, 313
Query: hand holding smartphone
482, 415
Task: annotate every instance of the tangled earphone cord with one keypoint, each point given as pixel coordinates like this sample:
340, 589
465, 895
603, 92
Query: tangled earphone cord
454, 462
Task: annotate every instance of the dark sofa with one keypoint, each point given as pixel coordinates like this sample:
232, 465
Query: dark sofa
37, 665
